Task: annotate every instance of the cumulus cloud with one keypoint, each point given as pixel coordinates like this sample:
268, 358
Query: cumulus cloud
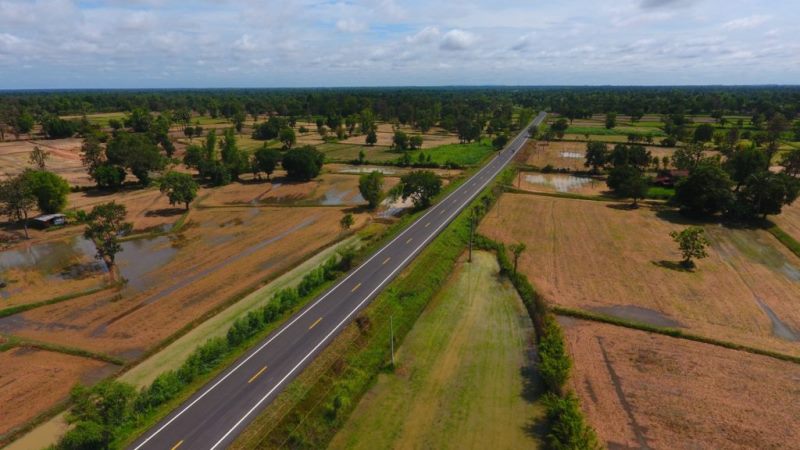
456, 40
153, 43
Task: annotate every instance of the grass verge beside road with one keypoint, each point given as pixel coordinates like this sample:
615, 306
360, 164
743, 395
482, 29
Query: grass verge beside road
463, 376
312, 408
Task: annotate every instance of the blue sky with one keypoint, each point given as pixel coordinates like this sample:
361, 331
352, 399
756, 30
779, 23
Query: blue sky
296, 43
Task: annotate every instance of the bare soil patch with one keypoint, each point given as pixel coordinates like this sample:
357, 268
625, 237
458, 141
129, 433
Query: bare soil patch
34, 380
642, 390
65, 159
598, 257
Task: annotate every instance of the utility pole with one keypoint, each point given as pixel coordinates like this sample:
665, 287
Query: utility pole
471, 233
391, 331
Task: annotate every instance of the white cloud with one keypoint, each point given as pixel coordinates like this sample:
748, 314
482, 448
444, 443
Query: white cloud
424, 36
351, 26
745, 23
245, 43
455, 40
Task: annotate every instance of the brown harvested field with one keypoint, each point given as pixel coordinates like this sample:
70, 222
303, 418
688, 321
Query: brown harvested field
789, 220
174, 280
65, 159
596, 256
330, 189
642, 390
433, 138
34, 380
147, 208
571, 155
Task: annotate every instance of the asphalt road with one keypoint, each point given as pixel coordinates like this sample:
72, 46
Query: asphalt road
218, 412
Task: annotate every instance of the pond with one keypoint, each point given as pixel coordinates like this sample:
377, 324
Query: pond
561, 183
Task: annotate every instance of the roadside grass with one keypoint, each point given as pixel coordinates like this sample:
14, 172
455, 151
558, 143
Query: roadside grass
462, 377
462, 154
311, 409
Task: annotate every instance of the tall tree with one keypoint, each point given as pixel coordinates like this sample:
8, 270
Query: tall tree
371, 187
304, 163
266, 160
179, 187
628, 182
421, 186
49, 189
596, 155
106, 223
17, 200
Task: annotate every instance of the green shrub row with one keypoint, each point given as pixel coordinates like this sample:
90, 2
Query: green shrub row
567, 427
791, 243
98, 426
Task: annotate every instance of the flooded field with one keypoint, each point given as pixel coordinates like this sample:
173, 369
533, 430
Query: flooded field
587, 255
51, 269
173, 280
561, 183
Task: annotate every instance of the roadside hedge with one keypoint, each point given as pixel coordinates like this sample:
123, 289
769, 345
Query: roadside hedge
129, 413
567, 427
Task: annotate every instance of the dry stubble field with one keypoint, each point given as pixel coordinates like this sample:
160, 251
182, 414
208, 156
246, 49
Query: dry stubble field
571, 155
596, 256
33, 380
642, 390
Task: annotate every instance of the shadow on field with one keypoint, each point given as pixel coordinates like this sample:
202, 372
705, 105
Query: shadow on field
672, 265
165, 212
532, 391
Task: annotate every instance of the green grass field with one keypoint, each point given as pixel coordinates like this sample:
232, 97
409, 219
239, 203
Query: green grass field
335, 151
462, 377
461, 154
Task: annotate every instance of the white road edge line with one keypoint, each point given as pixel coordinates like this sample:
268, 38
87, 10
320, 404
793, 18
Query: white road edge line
347, 317
309, 308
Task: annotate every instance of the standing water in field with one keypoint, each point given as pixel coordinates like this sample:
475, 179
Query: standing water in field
75, 258
561, 183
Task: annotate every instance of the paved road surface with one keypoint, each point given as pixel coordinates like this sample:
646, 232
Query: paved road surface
217, 413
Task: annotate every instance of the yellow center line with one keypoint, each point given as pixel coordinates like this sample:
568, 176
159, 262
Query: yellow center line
409, 240
356, 287
177, 445
386, 261
254, 377
427, 225
441, 212
315, 323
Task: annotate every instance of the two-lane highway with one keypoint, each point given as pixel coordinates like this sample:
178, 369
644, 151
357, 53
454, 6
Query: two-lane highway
218, 412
